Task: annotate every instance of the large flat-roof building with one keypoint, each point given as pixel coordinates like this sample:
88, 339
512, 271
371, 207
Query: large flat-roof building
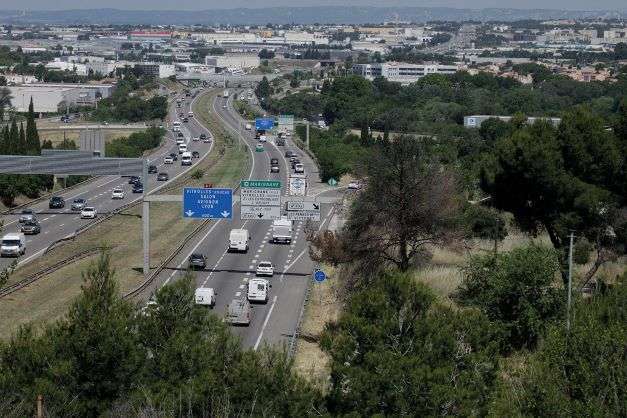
233, 61
51, 98
402, 72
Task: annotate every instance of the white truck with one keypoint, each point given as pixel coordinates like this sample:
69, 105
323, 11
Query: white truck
225, 94
282, 231
186, 158
205, 296
238, 240
13, 245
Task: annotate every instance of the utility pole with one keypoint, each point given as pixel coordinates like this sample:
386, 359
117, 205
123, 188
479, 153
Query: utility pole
307, 134
570, 280
146, 223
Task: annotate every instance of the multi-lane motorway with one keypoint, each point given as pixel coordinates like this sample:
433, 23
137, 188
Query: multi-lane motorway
60, 223
228, 273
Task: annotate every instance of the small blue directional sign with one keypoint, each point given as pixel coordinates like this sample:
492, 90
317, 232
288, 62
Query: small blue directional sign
264, 124
207, 203
319, 276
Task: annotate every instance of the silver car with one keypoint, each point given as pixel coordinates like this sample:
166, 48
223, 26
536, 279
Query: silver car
239, 312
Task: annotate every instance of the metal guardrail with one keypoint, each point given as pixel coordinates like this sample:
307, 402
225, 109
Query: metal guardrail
41, 273
139, 289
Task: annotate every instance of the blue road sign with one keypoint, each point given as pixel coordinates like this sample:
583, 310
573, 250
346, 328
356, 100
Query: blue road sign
207, 203
320, 276
264, 124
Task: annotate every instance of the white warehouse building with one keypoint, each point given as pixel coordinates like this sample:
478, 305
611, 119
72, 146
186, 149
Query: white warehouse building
50, 98
233, 61
402, 72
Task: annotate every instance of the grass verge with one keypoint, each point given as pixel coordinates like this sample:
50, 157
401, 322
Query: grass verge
48, 298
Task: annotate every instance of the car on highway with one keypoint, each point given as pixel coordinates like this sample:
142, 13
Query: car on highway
89, 212
289, 154
31, 227
138, 188
224, 106
185, 120
180, 135
168, 160
133, 180
206, 140
205, 296
162, 177
56, 202
152, 169
280, 142
265, 268
195, 154
197, 261
239, 312
299, 168
196, 139
117, 193
274, 161
78, 204
275, 169
203, 136
259, 148
26, 215
258, 290
174, 156
180, 141
13, 245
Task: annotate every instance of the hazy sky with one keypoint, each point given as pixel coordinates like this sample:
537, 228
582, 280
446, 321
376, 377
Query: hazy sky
212, 4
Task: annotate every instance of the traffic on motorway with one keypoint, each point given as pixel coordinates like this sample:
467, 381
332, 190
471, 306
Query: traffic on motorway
30, 231
254, 273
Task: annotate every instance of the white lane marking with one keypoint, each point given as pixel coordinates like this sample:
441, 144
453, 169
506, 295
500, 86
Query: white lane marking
265, 323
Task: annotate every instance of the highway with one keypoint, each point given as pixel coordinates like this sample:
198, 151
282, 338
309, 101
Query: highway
60, 223
228, 273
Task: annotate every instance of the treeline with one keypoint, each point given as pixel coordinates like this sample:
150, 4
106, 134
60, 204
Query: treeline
135, 144
109, 357
412, 55
20, 140
499, 344
125, 105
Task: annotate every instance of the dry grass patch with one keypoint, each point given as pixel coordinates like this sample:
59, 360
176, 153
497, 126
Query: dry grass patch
56, 136
323, 307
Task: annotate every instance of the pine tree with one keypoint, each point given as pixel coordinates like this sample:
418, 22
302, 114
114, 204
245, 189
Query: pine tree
4, 141
21, 145
33, 144
14, 138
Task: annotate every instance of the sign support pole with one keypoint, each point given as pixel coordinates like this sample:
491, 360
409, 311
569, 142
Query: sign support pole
146, 224
307, 134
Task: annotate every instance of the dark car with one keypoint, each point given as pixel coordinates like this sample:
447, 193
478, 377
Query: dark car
195, 154
288, 154
280, 142
203, 136
296, 161
152, 169
197, 261
180, 135
133, 180
31, 227
162, 177
174, 156
274, 161
56, 202
79, 204
274, 169
138, 188
185, 120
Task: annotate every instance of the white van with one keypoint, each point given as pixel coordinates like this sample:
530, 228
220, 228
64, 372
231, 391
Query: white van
263, 138
13, 245
238, 240
258, 290
182, 148
186, 158
249, 127
205, 296
282, 231
190, 114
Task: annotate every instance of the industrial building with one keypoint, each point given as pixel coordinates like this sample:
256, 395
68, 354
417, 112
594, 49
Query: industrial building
233, 61
401, 72
52, 98
155, 69
475, 121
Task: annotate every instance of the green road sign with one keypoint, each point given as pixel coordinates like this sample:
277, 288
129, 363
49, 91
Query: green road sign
332, 182
260, 184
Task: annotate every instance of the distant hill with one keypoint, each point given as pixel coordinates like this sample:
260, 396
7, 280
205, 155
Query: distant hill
339, 14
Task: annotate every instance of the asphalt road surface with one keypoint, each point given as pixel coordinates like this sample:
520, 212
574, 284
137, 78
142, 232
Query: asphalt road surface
228, 273
60, 223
